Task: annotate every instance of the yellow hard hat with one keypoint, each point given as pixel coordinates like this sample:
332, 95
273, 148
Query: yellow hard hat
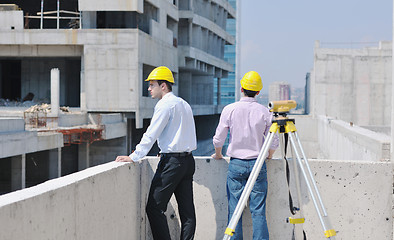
161, 73
252, 81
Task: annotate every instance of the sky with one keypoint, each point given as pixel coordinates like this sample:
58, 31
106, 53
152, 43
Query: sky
277, 37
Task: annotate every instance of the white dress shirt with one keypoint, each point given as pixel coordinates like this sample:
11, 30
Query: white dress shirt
172, 125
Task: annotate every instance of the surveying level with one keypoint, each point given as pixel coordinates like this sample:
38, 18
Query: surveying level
284, 126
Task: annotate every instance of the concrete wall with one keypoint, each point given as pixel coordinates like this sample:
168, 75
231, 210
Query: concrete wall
353, 85
103, 5
307, 130
108, 202
12, 125
17, 143
347, 141
10, 20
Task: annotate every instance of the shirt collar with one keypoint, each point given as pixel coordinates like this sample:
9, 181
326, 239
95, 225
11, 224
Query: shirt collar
248, 99
167, 95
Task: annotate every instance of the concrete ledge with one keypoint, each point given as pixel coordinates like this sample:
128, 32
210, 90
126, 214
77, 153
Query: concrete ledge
114, 130
351, 142
12, 125
111, 118
108, 202
72, 119
49, 140
191, 52
97, 203
12, 144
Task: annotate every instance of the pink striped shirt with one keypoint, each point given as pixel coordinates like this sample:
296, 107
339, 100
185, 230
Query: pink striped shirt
249, 123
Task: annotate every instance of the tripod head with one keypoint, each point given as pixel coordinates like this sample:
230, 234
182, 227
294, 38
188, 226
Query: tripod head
281, 108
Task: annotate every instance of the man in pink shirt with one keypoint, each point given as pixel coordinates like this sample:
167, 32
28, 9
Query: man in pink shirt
249, 123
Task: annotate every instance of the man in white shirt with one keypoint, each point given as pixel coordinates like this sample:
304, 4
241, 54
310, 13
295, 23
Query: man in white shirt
172, 125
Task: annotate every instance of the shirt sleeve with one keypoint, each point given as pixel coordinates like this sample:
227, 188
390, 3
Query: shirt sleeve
222, 129
275, 141
158, 123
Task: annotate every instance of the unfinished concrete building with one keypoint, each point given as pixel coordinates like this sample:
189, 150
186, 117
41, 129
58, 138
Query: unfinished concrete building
103, 51
354, 84
351, 164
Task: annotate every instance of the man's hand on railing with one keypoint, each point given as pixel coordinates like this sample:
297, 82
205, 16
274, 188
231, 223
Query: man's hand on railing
124, 159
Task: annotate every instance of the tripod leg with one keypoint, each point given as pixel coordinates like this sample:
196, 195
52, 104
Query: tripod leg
310, 174
297, 218
299, 231
248, 187
329, 233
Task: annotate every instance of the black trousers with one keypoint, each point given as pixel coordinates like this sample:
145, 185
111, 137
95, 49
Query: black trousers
174, 174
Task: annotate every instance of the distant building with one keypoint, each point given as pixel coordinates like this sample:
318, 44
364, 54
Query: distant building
226, 93
279, 91
351, 84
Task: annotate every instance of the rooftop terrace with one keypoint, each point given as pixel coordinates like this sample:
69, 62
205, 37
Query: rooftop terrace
108, 201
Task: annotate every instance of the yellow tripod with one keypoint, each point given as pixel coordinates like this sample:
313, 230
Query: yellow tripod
283, 125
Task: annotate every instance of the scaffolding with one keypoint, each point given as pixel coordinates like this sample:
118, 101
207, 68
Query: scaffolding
45, 15
37, 119
81, 135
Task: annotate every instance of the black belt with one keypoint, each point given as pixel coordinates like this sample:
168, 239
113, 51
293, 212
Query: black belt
180, 154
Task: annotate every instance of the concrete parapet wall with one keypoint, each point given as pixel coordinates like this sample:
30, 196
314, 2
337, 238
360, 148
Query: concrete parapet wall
108, 202
341, 140
70, 120
10, 20
12, 144
102, 5
97, 203
12, 125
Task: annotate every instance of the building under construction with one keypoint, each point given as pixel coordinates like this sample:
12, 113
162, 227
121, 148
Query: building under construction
88, 60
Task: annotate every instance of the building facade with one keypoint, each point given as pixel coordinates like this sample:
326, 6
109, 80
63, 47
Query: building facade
227, 85
279, 91
103, 50
354, 85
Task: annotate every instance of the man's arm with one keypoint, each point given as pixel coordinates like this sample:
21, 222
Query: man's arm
158, 123
270, 153
220, 135
218, 153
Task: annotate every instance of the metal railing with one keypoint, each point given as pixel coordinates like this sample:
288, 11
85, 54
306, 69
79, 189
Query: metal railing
42, 15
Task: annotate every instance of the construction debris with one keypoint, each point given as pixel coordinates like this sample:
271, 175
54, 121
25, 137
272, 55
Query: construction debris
45, 107
39, 108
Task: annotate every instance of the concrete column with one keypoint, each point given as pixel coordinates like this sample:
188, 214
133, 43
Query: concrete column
83, 89
55, 92
190, 33
83, 156
129, 138
219, 92
55, 163
392, 103
18, 172
89, 20
238, 52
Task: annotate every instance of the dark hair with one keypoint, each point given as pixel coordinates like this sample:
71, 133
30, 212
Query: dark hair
169, 85
250, 93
